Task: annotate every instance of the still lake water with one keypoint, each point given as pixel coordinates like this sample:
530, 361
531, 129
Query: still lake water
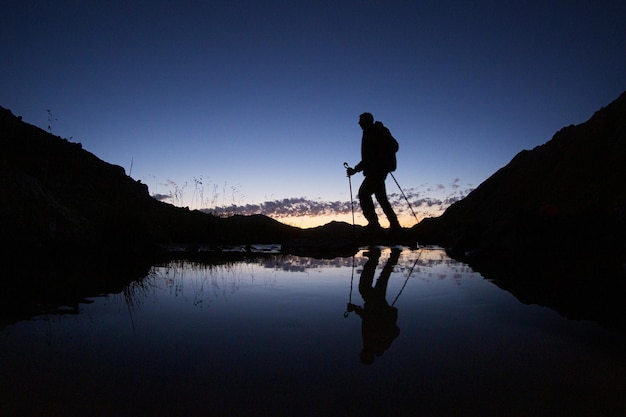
271, 336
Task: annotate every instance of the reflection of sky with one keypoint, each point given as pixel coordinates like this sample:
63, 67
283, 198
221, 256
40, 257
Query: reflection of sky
261, 99
269, 337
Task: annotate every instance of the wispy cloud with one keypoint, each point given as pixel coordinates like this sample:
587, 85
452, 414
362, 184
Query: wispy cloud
288, 207
425, 201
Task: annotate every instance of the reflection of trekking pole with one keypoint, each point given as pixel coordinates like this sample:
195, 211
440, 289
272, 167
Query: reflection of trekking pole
404, 195
345, 164
407, 278
349, 308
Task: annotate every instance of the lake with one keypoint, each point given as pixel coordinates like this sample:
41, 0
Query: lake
272, 335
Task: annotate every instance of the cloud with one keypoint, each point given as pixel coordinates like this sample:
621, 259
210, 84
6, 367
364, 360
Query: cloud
287, 207
423, 203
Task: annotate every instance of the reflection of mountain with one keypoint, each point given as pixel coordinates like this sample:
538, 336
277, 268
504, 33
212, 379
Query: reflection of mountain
295, 263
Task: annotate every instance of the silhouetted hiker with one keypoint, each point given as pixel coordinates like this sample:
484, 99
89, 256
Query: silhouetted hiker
378, 158
378, 328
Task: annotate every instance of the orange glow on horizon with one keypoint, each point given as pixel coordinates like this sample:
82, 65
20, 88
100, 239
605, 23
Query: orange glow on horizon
307, 222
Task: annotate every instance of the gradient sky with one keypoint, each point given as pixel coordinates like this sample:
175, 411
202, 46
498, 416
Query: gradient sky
259, 100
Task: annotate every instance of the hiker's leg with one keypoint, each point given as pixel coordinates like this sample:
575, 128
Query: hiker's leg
367, 276
380, 192
383, 280
367, 204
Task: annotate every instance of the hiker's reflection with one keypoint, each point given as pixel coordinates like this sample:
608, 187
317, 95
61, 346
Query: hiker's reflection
379, 319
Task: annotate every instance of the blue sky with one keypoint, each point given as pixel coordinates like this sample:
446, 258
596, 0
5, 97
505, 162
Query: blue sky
260, 100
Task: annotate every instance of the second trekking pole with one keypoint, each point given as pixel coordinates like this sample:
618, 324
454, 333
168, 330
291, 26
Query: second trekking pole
404, 195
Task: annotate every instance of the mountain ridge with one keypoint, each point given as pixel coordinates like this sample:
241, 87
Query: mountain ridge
54, 194
566, 194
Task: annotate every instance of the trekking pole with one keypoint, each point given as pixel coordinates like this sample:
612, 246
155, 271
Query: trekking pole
404, 195
346, 166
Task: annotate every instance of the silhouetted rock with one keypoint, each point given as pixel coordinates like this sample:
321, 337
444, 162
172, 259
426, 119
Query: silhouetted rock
566, 196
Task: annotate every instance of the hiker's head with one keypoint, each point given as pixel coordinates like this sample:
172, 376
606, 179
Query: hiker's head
366, 120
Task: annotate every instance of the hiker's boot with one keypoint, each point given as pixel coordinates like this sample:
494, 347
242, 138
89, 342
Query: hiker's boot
373, 228
395, 227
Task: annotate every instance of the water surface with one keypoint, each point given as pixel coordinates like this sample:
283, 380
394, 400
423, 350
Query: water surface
273, 336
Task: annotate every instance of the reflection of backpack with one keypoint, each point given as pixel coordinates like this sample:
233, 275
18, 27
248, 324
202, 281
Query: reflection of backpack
389, 148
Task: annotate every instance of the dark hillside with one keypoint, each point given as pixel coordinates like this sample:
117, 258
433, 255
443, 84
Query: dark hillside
54, 195
566, 196
550, 227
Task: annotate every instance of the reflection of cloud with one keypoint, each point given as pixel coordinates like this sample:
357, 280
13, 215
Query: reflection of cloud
424, 200
199, 283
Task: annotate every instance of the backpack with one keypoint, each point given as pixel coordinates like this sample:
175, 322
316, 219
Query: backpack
389, 148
